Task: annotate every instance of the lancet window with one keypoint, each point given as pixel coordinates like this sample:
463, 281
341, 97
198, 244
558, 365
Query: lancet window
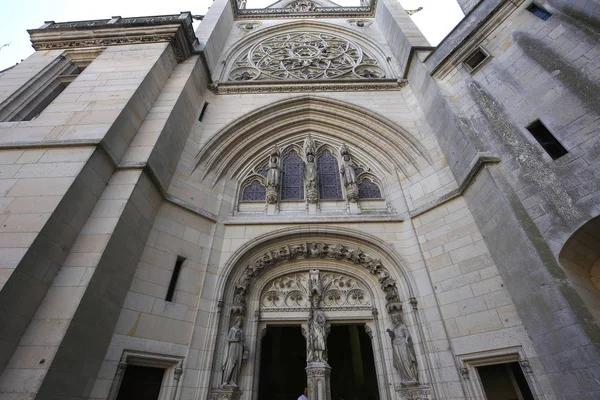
292, 187
311, 171
329, 177
254, 192
367, 189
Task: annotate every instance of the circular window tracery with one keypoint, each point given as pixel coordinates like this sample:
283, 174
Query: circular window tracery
305, 56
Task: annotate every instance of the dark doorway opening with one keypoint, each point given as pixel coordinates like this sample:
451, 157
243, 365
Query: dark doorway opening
504, 382
282, 364
350, 357
141, 383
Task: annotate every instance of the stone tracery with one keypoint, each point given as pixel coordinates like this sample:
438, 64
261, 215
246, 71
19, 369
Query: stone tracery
292, 292
305, 56
310, 171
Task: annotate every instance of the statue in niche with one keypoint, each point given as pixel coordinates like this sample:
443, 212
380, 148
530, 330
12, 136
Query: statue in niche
317, 333
234, 355
405, 359
348, 172
310, 171
315, 287
273, 176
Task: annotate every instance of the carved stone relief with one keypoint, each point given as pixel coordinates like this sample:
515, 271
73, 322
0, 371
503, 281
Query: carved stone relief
302, 5
305, 56
292, 292
307, 250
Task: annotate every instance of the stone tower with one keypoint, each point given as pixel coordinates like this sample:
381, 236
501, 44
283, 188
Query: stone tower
305, 195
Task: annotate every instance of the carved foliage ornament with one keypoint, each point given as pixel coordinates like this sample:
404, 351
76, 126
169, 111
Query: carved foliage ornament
305, 56
302, 5
291, 293
315, 250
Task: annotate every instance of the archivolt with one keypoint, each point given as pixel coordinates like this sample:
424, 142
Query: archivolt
310, 242
375, 138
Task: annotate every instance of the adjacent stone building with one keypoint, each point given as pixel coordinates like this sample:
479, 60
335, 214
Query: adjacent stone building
304, 195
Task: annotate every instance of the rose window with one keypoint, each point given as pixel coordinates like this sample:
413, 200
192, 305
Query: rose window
305, 56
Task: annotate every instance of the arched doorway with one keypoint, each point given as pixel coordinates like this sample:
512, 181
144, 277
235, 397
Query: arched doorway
580, 256
386, 301
285, 303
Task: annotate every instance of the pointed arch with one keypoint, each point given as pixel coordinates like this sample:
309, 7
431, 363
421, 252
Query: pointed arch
385, 145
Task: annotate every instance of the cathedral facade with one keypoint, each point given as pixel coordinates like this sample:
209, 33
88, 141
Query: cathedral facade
304, 196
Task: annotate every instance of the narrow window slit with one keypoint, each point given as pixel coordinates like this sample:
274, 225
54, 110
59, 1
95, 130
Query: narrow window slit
202, 112
546, 139
174, 278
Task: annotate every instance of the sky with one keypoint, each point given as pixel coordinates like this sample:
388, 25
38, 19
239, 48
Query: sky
436, 19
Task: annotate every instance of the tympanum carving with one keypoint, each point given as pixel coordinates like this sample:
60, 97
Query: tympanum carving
337, 291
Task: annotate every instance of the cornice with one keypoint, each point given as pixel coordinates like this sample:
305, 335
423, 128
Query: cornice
307, 86
174, 29
319, 12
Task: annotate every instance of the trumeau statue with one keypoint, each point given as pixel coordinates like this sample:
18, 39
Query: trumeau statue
273, 176
348, 172
405, 360
310, 171
316, 337
317, 333
234, 355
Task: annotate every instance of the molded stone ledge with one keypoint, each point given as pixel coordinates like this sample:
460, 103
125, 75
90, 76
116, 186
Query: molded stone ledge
477, 166
317, 219
304, 86
175, 29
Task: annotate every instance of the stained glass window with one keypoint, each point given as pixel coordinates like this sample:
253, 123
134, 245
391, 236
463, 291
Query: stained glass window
254, 192
292, 182
368, 190
329, 177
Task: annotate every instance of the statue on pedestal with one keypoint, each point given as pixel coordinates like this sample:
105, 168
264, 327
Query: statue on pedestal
348, 172
234, 355
273, 176
317, 333
405, 359
310, 171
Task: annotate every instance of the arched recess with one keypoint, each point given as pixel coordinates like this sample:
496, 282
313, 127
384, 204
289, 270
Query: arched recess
580, 256
363, 44
374, 262
383, 144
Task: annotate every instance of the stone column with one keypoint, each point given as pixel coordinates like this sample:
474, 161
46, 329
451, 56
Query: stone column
318, 382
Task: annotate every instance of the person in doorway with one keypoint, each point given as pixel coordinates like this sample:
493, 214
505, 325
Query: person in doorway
303, 396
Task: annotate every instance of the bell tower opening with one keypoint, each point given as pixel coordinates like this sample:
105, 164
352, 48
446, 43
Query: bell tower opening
350, 357
282, 363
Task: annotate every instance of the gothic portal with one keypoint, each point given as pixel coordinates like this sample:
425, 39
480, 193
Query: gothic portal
308, 196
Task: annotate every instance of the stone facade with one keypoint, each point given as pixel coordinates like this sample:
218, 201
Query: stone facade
170, 147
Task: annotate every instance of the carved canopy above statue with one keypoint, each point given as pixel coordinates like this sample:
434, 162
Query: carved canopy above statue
291, 293
305, 56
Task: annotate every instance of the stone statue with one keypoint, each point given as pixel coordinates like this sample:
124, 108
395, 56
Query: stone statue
317, 333
241, 4
348, 172
315, 287
234, 355
405, 360
310, 171
273, 176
